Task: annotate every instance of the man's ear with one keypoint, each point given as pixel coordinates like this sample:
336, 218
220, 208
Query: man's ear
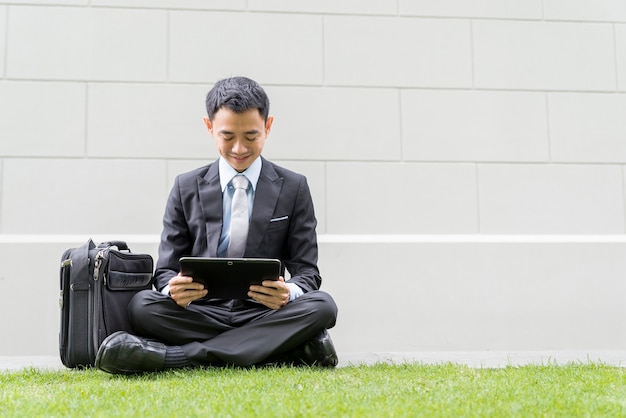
268, 124
208, 124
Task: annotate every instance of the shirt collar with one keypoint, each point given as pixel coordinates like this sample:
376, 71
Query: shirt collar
227, 172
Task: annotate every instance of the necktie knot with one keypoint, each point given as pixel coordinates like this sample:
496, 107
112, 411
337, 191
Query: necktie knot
240, 182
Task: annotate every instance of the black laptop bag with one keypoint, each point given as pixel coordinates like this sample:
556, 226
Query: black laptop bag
97, 283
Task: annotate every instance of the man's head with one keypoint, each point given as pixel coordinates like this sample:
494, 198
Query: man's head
238, 94
238, 120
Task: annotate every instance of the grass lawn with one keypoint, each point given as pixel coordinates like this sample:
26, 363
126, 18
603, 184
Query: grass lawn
380, 390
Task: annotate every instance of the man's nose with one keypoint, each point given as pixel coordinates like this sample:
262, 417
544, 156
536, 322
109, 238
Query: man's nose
239, 146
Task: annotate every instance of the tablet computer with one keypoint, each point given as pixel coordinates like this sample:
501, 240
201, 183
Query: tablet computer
229, 278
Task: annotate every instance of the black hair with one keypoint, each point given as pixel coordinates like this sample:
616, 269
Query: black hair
238, 94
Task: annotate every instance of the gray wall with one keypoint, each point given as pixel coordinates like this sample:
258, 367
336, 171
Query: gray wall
500, 117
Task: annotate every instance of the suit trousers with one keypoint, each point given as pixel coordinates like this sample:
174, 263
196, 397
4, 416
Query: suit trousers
237, 332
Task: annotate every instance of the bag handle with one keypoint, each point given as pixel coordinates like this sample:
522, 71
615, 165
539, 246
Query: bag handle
121, 245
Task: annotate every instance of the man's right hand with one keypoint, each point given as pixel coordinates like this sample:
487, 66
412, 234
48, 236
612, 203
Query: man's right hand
184, 290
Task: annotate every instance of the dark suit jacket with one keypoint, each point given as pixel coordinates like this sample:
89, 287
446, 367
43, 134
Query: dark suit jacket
282, 224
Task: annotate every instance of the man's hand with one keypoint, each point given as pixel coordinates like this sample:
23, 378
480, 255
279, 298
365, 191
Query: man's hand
272, 293
184, 290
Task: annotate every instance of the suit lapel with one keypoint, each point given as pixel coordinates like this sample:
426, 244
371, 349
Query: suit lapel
265, 199
210, 195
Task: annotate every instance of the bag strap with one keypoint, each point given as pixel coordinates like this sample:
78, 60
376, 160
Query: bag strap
80, 263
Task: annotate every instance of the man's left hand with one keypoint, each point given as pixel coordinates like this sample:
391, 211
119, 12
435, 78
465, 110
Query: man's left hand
272, 293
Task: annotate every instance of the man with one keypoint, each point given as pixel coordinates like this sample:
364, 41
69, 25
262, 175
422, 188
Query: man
180, 325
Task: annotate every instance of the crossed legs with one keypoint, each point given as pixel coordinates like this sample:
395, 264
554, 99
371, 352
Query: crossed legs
240, 333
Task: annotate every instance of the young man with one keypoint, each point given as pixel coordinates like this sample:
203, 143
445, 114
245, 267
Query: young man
180, 325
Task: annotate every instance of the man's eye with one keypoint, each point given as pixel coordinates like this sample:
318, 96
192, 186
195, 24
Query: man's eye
227, 138
251, 139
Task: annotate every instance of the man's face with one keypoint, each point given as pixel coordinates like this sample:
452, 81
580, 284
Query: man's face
239, 137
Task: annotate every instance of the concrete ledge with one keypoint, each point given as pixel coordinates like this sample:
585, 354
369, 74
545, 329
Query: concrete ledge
14, 363
396, 293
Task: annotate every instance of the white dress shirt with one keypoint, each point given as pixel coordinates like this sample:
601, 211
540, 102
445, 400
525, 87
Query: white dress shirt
252, 173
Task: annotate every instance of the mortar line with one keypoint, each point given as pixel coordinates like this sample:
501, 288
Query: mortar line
323, 51
624, 193
472, 57
548, 131
615, 56
167, 45
478, 223
350, 238
5, 66
86, 122
326, 211
2, 182
400, 128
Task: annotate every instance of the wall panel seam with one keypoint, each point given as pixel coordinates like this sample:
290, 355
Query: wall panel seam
86, 122
6, 43
615, 58
329, 13
624, 193
348, 238
326, 187
548, 130
472, 56
337, 161
167, 45
294, 85
323, 51
2, 182
401, 130
477, 174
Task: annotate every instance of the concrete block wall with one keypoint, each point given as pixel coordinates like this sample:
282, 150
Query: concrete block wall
500, 117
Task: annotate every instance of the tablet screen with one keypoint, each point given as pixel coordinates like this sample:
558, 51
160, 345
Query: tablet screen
229, 278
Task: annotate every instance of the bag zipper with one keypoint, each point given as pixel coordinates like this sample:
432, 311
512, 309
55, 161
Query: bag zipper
97, 300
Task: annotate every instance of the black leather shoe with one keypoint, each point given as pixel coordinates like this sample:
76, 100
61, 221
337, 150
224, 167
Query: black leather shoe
124, 353
318, 351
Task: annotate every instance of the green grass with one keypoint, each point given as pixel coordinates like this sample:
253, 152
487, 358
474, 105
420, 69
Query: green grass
381, 390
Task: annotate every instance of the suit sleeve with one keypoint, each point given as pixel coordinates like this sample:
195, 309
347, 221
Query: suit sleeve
301, 260
175, 239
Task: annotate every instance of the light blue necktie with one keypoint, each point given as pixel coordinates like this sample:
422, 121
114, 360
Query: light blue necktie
239, 217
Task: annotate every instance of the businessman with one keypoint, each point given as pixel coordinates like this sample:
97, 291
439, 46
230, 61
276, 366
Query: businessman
241, 205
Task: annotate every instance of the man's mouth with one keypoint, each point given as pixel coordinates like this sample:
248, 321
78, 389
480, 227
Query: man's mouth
239, 157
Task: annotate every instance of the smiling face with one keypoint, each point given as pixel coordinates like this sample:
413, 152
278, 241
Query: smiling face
239, 137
